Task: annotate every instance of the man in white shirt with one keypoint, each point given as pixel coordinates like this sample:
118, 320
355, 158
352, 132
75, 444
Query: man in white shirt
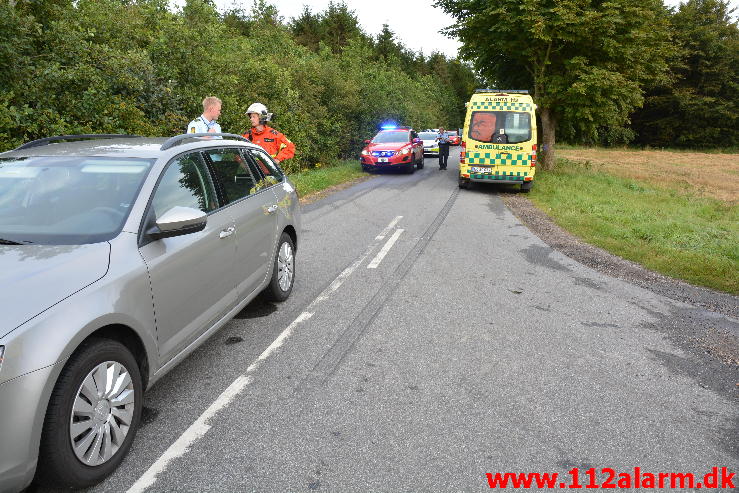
206, 123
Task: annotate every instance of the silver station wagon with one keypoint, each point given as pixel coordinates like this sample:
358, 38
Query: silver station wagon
118, 257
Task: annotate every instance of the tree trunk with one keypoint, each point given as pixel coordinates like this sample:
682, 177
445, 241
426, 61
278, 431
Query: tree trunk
548, 123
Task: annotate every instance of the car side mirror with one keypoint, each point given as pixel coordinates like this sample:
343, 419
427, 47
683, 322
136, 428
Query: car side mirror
366, 141
178, 221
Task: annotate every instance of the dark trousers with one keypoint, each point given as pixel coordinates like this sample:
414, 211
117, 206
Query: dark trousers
443, 155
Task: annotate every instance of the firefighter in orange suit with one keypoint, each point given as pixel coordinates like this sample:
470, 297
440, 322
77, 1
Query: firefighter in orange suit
275, 143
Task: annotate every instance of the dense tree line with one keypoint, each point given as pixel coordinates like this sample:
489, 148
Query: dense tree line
700, 106
591, 64
139, 67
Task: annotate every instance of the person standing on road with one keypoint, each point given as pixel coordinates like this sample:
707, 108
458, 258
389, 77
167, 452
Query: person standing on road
275, 143
206, 123
443, 139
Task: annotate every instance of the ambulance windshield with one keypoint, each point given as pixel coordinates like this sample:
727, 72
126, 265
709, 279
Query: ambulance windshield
501, 127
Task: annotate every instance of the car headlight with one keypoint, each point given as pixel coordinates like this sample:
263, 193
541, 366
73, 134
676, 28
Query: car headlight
365, 152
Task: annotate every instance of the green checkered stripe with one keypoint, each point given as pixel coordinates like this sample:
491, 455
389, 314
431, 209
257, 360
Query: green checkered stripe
488, 158
501, 175
501, 105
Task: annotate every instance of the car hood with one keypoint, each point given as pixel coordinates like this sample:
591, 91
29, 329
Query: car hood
427, 143
36, 277
390, 146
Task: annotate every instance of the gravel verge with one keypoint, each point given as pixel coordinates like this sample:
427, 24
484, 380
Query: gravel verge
602, 261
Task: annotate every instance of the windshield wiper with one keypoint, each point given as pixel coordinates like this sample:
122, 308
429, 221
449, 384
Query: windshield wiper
11, 242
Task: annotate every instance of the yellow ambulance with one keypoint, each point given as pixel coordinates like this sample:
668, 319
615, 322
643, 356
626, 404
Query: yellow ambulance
499, 139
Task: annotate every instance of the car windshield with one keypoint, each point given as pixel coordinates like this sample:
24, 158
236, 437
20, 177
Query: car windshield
67, 200
500, 127
427, 136
391, 136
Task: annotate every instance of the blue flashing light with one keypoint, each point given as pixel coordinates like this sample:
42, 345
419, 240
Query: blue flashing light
388, 125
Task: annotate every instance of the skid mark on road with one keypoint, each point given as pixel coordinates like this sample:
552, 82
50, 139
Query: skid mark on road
331, 360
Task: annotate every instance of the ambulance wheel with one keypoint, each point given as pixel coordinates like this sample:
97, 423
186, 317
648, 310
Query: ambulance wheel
526, 187
464, 183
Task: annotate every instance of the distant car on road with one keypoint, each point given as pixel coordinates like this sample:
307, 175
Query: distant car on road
119, 257
454, 138
393, 148
430, 145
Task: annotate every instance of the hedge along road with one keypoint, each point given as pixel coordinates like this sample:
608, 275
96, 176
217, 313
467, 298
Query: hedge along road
432, 338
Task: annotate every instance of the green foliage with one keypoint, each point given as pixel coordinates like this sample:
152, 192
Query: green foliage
324, 176
135, 66
700, 109
670, 231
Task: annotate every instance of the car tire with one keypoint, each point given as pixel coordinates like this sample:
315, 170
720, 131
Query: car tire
77, 395
283, 270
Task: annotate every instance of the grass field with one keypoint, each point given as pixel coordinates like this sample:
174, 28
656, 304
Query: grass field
675, 213
310, 182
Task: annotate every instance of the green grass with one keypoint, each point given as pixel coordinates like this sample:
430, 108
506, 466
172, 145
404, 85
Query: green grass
315, 180
680, 235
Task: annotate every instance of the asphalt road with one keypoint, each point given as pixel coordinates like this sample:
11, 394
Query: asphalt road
472, 347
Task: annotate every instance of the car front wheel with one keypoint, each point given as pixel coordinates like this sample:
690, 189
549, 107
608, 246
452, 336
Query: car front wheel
283, 272
92, 417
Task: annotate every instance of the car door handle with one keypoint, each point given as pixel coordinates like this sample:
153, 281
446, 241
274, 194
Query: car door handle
227, 232
271, 209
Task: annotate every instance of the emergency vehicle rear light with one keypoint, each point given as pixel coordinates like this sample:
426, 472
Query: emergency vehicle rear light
462, 152
528, 178
465, 175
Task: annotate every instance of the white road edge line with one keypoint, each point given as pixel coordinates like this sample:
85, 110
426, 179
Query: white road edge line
200, 427
381, 254
196, 431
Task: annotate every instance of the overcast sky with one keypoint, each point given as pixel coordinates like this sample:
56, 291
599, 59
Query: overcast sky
416, 23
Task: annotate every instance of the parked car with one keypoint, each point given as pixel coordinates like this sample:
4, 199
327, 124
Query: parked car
120, 256
393, 148
430, 144
454, 138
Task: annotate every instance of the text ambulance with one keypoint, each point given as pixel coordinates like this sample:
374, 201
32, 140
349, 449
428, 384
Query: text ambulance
499, 139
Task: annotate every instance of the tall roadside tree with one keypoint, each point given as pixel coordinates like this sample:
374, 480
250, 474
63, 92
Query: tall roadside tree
586, 61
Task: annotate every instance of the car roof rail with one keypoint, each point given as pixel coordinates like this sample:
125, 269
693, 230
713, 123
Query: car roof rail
508, 91
178, 139
58, 138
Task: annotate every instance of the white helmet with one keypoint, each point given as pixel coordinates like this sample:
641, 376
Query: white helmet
260, 110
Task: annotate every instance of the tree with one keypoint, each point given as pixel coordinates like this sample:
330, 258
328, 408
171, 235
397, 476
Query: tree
585, 60
700, 109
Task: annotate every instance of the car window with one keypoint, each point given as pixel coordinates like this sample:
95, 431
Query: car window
269, 170
185, 183
67, 200
390, 136
427, 135
233, 172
